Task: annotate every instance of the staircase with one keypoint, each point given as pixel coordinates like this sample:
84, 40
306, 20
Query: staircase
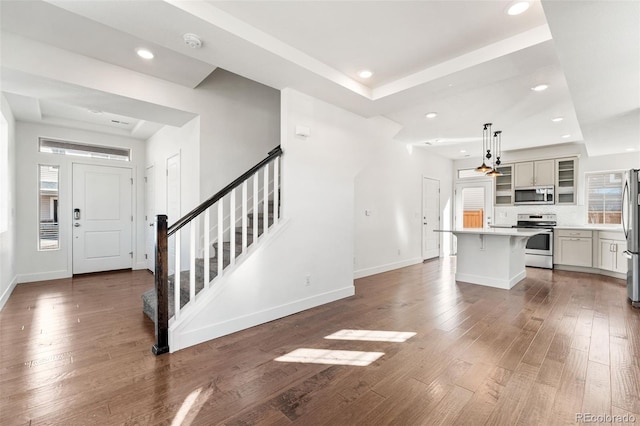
149, 298
235, 219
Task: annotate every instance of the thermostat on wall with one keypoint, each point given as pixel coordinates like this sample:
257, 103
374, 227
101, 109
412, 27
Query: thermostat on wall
303, 131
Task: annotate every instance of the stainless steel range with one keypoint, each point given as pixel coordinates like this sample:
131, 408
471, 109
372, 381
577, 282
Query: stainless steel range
539, 249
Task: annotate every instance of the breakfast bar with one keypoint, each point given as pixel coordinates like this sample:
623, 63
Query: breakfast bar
492, 257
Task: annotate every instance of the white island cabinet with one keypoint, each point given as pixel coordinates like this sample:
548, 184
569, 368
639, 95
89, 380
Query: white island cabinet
492, 257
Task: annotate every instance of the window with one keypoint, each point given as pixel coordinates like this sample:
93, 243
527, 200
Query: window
469, 174
604, 197
48, 230
4, 175
52, 146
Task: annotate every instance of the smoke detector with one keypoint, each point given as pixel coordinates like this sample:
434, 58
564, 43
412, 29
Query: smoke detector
192, 40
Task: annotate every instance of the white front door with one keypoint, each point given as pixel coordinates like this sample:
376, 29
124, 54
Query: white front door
150, 218
430, 218
102, 218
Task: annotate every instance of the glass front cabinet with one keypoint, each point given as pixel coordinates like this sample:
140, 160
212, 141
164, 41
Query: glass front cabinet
504, 186
566, 180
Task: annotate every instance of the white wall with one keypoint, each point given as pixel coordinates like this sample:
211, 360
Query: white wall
34, 265
390, 187
8, 239
166, 143
240, 125
316, 238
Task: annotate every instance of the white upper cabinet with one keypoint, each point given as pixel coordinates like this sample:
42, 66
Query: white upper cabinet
534, 173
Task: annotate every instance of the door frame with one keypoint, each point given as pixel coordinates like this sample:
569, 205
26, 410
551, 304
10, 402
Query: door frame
149, 171
69, 232
487, 184
439, 226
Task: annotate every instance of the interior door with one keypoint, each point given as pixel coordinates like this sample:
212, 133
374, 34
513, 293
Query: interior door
430, 218
150, 218
102, 218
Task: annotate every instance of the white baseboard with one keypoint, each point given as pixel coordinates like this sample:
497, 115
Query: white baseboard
8, 291
43, 276
140, 265
361, 273
179, 341
491, 282
590, 271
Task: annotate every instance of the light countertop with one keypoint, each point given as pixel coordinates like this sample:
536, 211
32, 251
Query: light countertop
577, 227
507, 232
591, 227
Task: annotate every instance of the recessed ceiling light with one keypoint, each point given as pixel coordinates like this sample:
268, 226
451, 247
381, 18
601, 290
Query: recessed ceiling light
95, 111
539, 87
631, 149
557, 119
518, 8
566, 136
431, 114
365, 74
462, 151
144, 53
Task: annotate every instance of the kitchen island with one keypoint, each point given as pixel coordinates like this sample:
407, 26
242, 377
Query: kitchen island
492, 257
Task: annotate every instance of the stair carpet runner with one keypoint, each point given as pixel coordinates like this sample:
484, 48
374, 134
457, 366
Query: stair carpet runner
149, 299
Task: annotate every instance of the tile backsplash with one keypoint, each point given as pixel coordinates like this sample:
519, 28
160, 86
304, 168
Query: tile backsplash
566, 215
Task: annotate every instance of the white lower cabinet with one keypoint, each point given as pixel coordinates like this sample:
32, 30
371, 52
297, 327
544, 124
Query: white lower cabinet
600, 250
574, 251
611, 254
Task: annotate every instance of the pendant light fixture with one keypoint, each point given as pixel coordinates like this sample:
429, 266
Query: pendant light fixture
497, 149
486, 146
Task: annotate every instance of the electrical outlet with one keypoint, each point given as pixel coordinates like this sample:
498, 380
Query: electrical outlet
307, 280
399, 252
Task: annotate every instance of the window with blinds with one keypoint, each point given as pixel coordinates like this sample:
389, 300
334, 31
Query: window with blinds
604, 197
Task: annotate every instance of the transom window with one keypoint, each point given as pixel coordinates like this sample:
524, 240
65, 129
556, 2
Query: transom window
53, 146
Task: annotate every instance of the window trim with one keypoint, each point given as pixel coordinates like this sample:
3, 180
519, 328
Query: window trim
39, 207
586, 194
5, 179
112, 152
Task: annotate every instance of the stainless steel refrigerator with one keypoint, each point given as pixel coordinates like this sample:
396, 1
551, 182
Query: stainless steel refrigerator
631, 226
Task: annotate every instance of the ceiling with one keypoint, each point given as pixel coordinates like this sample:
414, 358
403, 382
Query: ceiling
466, 60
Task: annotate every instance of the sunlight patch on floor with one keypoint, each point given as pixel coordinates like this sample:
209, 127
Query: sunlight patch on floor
372, 335
327, 356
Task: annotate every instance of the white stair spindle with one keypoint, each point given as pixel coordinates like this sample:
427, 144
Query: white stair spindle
232, 227
220, 250
176, 277
265, 206
276, 189
192, 260
244, 216
256, 184
207, 245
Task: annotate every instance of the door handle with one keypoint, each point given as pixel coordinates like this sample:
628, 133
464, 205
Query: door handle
76, 224
151, 224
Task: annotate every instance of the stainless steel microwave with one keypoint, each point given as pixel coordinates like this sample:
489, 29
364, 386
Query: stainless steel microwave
535, 195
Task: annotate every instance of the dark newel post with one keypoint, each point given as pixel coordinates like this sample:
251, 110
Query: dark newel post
162, 288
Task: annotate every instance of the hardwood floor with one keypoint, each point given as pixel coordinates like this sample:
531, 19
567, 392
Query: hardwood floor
78, 351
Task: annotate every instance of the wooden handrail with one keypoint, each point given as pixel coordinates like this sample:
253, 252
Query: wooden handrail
276, 152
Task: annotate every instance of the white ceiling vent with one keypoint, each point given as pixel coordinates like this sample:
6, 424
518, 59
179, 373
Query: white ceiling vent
192, 40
